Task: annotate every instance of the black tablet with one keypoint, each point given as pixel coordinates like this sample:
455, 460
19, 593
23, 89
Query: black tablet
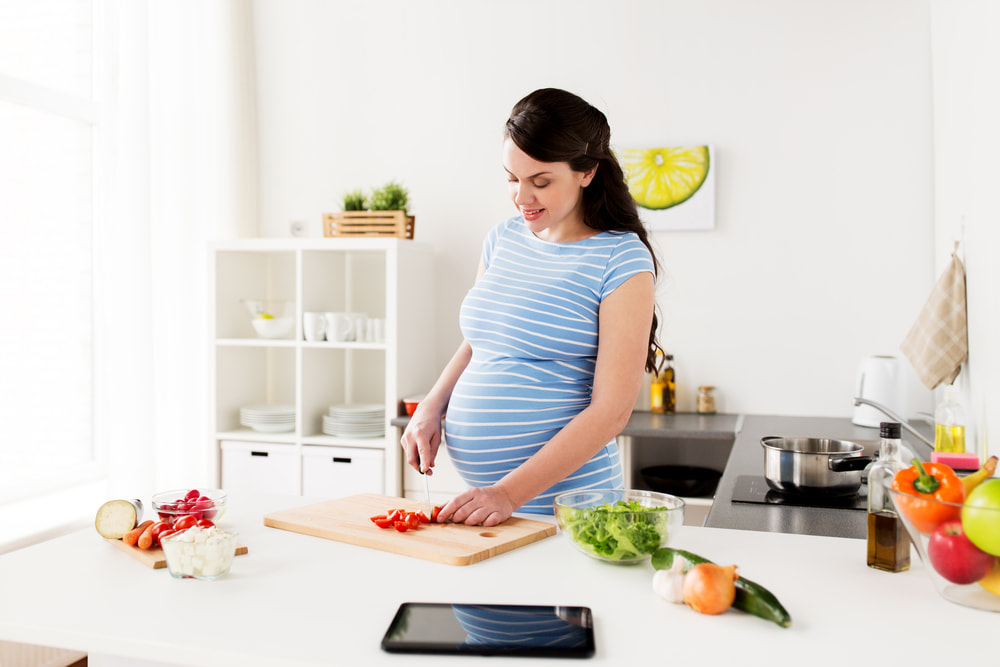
491, 629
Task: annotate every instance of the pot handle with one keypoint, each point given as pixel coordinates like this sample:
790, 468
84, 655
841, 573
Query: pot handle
845, 463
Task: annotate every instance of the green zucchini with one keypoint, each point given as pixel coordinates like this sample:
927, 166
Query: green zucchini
751, 597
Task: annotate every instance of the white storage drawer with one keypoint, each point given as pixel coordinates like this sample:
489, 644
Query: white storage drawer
259, 467
334, 472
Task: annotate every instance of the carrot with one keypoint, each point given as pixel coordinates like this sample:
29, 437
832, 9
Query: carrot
146, 539
132, 536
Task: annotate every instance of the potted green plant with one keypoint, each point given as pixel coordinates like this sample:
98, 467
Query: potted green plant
355, 200
390, 197
385, 212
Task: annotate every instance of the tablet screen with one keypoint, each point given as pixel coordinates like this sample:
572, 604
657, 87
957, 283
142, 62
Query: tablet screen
527, 630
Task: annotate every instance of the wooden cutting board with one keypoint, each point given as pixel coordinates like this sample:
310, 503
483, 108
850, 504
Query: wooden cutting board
349, 520
154, 558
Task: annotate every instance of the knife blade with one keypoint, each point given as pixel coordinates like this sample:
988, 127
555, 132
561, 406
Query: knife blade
427, 491
427, 494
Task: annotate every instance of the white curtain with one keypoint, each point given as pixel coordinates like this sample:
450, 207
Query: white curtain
177, 148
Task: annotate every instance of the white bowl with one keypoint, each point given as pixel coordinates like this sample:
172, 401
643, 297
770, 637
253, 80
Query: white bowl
279, 327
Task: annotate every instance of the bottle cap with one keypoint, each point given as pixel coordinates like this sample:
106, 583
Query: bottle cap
890, 430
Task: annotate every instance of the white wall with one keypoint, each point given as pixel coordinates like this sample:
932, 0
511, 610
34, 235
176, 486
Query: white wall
819, 111
967, 140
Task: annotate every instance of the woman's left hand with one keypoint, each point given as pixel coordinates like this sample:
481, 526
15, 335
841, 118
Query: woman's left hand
484, 506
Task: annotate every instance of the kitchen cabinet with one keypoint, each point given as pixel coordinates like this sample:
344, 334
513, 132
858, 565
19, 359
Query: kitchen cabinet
341, 471
259, 467
387, 279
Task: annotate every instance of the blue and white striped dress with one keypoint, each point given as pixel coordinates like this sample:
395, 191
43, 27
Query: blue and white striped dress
531, 320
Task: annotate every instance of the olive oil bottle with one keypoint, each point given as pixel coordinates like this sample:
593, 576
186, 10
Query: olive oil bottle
888, 543
663, 387
949, 423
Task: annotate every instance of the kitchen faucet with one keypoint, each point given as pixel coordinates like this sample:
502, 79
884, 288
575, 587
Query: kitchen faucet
893, 416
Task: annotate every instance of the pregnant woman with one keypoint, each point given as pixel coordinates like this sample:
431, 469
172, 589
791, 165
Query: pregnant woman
558, 328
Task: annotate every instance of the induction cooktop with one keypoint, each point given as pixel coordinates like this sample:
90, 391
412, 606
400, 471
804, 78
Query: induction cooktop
754, 489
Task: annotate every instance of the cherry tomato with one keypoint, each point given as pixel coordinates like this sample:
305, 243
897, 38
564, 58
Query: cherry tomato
413, 520
205, 523
423, 517
185, 522
437, 510
396, 515
168, 533
401, 526
192, 495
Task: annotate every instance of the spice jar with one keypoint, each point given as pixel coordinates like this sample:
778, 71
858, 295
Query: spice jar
706, 400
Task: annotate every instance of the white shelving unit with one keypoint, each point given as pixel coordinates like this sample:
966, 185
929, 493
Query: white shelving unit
386, 278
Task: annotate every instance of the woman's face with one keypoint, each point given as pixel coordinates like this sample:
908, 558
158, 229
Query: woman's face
548, 194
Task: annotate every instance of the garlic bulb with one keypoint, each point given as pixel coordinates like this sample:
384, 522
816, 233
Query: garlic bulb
669, 584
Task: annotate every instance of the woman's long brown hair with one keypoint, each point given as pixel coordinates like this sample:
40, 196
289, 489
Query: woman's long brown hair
553, 125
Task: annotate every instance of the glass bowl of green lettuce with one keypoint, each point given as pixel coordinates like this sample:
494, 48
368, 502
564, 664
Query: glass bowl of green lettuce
623, 526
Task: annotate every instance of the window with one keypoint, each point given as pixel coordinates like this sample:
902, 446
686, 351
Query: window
47, 183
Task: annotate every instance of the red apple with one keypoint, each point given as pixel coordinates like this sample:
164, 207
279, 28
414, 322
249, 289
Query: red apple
955, 557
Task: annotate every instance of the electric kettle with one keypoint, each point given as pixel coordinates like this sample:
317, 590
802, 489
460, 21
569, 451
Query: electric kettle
880, 379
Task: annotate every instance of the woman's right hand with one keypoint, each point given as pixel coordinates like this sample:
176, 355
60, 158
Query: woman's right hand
422, 438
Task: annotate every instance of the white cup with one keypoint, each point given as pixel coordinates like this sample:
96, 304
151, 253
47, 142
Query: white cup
379, 333
339, 327
359, 326
313, 326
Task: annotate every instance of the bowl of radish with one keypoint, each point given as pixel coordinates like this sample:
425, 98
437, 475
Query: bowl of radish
170, 506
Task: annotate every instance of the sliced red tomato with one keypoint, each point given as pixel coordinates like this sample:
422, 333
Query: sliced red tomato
413, 520
396, 515
401, 526
382, 521
423, 517
436, 511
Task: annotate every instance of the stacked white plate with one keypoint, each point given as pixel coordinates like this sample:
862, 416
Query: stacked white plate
268, 418
355, 420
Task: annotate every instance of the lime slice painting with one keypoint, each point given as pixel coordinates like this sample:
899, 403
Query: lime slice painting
673, 186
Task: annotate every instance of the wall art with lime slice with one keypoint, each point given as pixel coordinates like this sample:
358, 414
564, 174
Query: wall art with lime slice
665, 177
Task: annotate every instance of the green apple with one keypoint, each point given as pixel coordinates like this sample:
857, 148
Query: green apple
981, 516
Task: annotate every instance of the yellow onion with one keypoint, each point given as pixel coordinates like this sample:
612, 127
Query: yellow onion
710, 588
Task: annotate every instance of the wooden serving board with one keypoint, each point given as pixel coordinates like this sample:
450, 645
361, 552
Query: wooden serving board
154, 557
349, 520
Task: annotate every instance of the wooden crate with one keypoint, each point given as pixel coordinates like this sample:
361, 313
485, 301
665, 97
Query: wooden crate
369, 223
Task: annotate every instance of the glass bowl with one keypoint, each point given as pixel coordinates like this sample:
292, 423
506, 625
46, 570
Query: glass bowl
622, 526
943, 535
200, 553
208, 504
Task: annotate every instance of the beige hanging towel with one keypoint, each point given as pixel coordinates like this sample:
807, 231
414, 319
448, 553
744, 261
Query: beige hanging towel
938, 342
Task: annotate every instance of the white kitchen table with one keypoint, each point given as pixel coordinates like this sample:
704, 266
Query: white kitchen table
301, 600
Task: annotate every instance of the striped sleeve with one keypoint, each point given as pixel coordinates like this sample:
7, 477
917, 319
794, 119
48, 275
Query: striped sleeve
630, 257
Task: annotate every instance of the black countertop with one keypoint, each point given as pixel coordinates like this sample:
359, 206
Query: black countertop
747, 459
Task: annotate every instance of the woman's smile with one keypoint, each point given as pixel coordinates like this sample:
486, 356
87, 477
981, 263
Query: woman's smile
532, 214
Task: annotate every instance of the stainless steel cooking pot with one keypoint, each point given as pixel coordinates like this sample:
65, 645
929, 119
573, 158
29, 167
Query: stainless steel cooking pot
818, 466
